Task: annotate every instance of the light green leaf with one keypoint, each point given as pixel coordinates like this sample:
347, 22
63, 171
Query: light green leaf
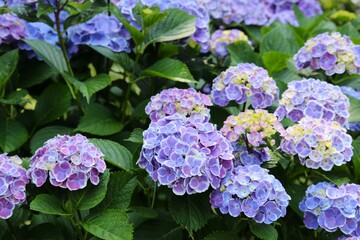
48, 204
51, 54
241, 52
120, 189
263, 231
170, 69
54, 101
12, 135
109, 224
191, 212
115, 153
98, 120
175, 25
46, 133
91, 195
275, 61
354, 109
136, 136
91, 85
8, 63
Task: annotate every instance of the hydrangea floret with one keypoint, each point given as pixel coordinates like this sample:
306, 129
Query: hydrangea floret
221, 38
12, 28
253, 191
13, 180
187, 102
246, 80
318, 143
250, 156
316, 99
330, 207
68, 161
187, 156
332, 53
101, 30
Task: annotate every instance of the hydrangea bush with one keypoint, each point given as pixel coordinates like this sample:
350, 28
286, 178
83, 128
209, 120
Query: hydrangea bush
193, 119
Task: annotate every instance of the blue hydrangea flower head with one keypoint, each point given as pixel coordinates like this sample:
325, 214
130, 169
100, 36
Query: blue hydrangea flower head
332, 53
68, 161
13, 180
187, 102
254, 156
316, 99
318, 143
221, 38
185, 155
245, 80
12, 28
251, 190
331, 208
101, 30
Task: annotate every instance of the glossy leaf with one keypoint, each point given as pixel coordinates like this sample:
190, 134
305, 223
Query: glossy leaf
48, 204
12, 135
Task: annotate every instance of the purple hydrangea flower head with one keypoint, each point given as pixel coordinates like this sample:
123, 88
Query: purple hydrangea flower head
221, 38
12, 28
260, 12
187, 156
332, 53
13, 180
245, 80
330, 207
13, 3
193, 7
253, 191
348, 238
38, 31
258, 126
187, 102
68, 161
316, 99
318, 143
101, 30
254, 156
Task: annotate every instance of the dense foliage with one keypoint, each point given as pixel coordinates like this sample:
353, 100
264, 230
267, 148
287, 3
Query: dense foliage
193, 119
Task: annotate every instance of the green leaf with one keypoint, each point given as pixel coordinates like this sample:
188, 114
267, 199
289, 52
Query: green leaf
16, 97
221, 235
91, 195
115, 153
170, 69
354, 109
54, 101
51, 54
91, 85
175, 25
45, 231
12, 134
191, 212
356, 159
8, 63
280, 39
349, 30
81, 17
136, 136
48, 204
109, 224
297, 193
98, 120
120, 189
275, 61
151, 17
35, 74
44, 9
44, 134
121, 58
241, 52
263, 231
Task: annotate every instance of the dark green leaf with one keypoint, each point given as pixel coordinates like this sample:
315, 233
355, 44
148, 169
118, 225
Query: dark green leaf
36, 74
44, 134
91, 195
48, 204
12, 134
121, 58
8, 63
263, 231
120, 189
109, 224
136, 136
275, 61
52, 103
191, 212
175, 25
51, 54
45, 231
115, 153
241, 52
98, 120
297, 193
170, 69
81, 17
222, 235
44, 9
356, 159
16, 97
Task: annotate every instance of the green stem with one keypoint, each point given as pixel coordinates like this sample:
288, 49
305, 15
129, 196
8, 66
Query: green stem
154, 196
